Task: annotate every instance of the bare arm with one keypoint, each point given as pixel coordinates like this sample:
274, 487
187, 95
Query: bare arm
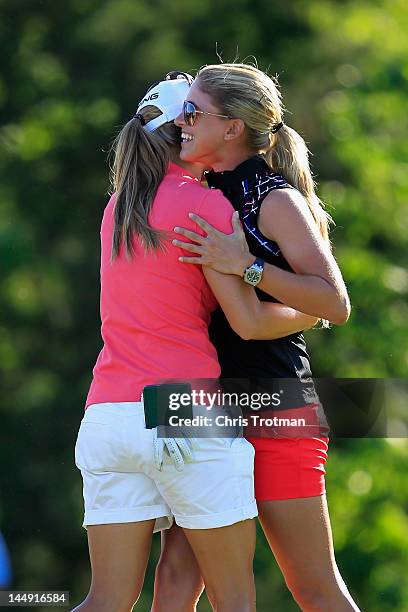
316, 286
248, 316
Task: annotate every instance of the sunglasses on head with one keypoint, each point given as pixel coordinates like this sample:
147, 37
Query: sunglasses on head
171, 76
177, 74
190, 112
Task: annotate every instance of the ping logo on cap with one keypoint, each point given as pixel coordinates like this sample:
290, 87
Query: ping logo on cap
152, 96
168, 96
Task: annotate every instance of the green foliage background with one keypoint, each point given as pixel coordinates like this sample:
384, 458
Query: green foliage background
71, 73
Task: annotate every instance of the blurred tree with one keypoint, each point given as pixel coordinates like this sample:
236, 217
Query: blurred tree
360, 137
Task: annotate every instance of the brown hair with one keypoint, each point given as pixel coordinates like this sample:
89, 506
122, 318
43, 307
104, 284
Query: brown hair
141, 159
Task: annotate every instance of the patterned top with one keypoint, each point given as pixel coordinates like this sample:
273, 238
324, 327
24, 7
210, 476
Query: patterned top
246, 188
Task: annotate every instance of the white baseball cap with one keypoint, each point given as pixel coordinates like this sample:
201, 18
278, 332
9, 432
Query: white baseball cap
168, 96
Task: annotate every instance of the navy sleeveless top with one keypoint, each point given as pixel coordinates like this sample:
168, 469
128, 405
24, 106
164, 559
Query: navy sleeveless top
285, 358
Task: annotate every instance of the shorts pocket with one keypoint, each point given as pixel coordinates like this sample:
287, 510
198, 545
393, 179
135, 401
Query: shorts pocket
238, 443
99, 447
235, 443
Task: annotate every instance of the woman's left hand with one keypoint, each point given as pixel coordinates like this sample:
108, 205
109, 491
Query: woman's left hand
225, 253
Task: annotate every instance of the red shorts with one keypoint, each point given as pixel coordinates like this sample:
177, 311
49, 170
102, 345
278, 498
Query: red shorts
289, 467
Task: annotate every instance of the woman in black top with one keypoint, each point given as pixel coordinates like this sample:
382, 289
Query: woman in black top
232, 122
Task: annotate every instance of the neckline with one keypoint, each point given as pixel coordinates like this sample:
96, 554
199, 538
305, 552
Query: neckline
252, 164
245, 175
176, 169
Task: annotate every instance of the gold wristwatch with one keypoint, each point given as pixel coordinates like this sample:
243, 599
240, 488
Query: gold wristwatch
253, 273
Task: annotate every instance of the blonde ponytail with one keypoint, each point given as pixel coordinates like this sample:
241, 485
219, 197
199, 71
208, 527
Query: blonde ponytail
289, 156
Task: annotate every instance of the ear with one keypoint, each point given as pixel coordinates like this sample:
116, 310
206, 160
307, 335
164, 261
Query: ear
234, 130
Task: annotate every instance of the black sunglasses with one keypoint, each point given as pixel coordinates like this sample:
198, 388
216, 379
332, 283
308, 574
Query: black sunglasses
190, 113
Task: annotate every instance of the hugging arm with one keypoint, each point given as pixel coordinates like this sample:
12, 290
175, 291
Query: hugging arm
316, 286
248, 316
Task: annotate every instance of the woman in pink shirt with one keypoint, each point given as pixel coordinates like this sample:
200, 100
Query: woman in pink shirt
155, 316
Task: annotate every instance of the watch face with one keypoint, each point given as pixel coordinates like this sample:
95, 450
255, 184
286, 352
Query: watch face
253, 276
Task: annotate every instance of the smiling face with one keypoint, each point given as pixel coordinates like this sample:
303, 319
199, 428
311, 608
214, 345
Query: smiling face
208, 139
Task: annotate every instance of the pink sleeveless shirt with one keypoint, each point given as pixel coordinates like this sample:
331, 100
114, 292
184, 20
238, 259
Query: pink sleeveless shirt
155, 310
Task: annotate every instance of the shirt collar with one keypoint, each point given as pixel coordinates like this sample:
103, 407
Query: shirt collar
235, 183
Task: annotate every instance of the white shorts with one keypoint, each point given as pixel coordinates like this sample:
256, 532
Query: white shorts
114, 452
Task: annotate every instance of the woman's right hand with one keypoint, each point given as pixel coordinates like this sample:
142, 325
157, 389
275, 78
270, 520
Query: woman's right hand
224, 253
